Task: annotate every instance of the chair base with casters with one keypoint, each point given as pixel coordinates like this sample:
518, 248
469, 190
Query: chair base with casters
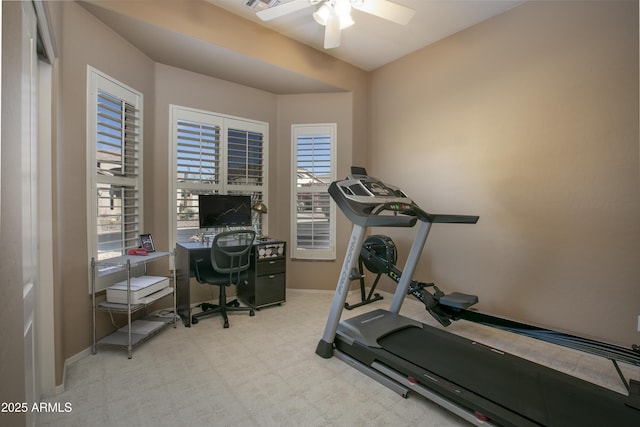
228, 265
210, 309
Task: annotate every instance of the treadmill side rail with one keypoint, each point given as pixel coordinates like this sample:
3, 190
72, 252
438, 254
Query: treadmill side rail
372, 373
464, 413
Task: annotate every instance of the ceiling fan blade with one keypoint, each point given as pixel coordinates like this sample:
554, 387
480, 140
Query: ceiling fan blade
386, 10
332, 32
283, 9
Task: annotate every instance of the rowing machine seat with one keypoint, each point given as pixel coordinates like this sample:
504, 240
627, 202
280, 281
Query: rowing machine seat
458, 300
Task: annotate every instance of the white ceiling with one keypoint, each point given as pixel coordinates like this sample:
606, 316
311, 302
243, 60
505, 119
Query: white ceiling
369, 44
372, 42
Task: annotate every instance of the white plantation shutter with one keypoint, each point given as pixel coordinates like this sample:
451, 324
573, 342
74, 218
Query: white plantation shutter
244, 161
213, 154
198, 152
314, 169
198, 168
114, 166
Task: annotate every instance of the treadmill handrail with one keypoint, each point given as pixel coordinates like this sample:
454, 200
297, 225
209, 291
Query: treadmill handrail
445, 218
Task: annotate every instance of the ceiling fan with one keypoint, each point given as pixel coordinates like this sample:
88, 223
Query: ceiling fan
335, 15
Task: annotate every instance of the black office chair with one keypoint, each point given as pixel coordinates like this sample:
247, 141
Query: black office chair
230, 258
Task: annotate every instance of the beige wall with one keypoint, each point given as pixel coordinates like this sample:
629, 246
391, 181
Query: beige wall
86, 40
204, 22
535, 131
180, 87
529, 120
187, 89
321, 108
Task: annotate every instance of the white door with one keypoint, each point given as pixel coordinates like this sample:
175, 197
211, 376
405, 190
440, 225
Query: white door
28, 206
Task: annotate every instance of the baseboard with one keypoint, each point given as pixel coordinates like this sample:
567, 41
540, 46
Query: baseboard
355, 294
311, 291
81, 355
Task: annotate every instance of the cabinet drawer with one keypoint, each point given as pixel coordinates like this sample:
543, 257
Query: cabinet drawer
270, 266
270, 289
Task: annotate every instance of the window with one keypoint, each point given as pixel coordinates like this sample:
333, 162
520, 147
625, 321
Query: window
313, 229
114, 156
213, 154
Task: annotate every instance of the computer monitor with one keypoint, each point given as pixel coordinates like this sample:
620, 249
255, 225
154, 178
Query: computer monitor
218, 210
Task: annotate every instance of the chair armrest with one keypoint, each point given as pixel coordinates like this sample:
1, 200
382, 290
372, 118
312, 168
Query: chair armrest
197, 262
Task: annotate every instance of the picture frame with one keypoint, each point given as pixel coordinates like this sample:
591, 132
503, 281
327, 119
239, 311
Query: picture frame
146, 241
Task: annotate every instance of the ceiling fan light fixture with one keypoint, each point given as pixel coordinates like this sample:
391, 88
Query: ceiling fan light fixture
335, 15
345, 21
342, 7
322, 14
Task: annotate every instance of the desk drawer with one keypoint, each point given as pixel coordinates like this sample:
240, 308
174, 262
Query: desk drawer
270, 289
270, 266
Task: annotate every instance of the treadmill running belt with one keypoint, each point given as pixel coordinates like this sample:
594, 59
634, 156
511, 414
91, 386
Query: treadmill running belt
544, 395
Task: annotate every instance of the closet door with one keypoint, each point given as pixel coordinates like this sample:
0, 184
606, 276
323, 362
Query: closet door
28, 206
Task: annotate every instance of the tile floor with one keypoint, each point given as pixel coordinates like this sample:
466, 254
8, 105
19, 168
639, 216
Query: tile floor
263, 371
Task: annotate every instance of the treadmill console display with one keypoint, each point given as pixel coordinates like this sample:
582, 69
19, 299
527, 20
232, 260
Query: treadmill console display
369, 190
378, 189
367, 201
400, 207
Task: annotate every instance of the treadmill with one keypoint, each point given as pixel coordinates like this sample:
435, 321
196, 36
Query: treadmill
481, 384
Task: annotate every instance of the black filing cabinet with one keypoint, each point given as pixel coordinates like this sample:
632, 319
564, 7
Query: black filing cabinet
267, 275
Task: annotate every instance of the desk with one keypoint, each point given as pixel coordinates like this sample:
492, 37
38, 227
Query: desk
266, 276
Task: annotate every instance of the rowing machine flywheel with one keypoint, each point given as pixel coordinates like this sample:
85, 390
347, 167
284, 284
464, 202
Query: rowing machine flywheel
379, 253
